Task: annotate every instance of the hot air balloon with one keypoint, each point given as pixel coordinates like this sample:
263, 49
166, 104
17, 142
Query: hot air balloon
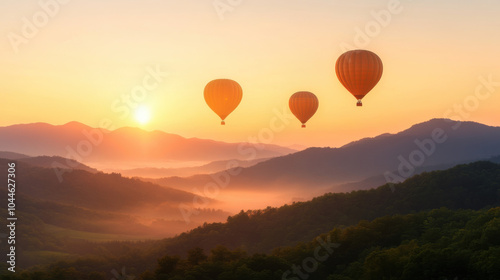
303, 105
359, 71
223, 96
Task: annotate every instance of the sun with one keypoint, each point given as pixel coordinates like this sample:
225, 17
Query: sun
142, 115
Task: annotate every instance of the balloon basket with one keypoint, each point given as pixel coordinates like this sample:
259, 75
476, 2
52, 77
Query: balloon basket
222, 123
359, 104
303, 126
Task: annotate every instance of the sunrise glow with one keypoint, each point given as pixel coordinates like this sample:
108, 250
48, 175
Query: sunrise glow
272, 50
142, 115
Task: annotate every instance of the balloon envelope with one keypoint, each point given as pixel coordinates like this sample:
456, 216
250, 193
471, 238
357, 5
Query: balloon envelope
223, 96
303, 105
359, 71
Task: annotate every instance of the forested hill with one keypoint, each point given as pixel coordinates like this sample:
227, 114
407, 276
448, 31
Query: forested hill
406, 239
471, 186
438, 244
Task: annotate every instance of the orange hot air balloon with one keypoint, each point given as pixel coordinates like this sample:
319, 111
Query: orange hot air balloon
359, 71
223, 96
303, 105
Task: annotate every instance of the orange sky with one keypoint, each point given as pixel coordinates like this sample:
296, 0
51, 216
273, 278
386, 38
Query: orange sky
88, 54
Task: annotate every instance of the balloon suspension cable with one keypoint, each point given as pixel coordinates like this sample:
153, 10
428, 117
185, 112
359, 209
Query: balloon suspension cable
303, 125
359, 104
222, 123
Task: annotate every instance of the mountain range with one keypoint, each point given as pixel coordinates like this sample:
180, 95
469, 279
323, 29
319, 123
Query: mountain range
62, 201
402, 154
432, 145
209, 168
48, 161
367, 163
88, 200
124, 145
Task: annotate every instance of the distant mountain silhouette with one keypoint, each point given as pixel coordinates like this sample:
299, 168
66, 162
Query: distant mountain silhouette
212, 167
11, 155
48, 161
316, 170
380, 179
298, 147
55, 161
39, 192
97, 191
85, 144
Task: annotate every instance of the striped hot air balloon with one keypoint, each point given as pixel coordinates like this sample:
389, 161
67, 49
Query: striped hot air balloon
359, 71
303, 105
223, 96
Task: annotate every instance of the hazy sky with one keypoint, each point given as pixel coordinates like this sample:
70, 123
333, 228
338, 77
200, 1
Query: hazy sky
76, 61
